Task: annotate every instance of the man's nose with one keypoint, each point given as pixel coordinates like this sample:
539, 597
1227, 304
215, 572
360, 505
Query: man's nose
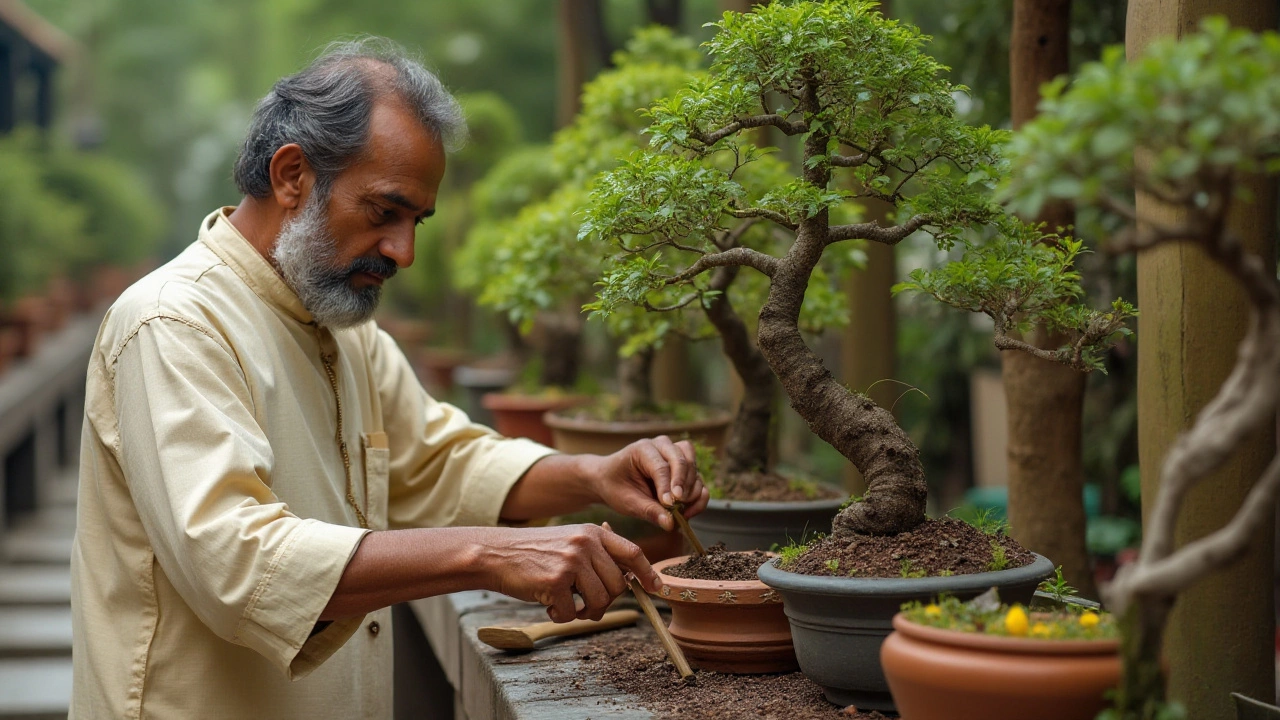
398, 245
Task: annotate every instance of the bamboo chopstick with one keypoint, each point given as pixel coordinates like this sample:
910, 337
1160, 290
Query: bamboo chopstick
664, 635
677, 514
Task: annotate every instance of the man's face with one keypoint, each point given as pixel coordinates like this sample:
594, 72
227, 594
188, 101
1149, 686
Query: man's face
336, 255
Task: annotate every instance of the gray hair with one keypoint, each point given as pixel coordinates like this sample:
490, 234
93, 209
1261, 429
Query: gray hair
325, 109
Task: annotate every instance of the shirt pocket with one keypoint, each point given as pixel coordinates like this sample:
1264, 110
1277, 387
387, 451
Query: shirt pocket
377, 470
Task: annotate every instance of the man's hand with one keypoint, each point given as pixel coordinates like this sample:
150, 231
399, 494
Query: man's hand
548, 565
647, 477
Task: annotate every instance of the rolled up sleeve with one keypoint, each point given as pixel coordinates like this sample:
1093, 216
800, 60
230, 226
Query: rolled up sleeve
445, 469
199, 468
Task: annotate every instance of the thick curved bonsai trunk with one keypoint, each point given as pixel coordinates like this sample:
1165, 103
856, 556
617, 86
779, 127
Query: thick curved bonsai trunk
748, 446
862, 431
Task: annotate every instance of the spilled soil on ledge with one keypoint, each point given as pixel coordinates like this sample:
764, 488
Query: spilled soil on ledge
632, 661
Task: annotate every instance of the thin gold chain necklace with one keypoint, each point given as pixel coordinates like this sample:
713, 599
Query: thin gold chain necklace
327, 359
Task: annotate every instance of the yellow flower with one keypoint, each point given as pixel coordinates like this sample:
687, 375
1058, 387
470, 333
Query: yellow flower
1089, 619
1040, 630
932, 611
1016, 621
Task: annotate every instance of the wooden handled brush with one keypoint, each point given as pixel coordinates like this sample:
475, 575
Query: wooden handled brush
523, 638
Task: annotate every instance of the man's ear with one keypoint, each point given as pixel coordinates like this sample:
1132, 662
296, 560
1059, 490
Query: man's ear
291, 176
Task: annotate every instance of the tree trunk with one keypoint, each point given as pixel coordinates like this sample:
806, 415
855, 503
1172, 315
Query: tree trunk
635, 382
748, 447
560, 346
1220, 635
1045, 400
665, 12
573, 21
865, 433
868, 352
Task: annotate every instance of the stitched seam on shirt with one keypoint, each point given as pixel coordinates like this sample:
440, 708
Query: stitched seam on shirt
286, 549
142, 663
137, 328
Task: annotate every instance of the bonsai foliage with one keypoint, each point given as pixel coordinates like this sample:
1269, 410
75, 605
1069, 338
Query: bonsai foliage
1205, 112
855, 100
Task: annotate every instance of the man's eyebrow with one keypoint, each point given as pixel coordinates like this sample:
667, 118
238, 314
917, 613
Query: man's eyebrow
398, 199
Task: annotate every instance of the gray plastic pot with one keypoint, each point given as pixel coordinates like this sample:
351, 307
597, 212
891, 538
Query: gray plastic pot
743, 525
838, 624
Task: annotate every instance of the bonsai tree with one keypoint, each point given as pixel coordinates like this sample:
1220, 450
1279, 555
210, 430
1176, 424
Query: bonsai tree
854, 100
1206, 113
528, 262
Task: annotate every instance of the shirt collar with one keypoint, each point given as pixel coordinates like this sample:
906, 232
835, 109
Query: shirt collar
227, 243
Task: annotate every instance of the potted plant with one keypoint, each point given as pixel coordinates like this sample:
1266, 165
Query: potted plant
849, 93
523, 259
1221, 85
722, 616
981, 660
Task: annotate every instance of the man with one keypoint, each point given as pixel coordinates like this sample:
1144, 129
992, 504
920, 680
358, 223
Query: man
262, 474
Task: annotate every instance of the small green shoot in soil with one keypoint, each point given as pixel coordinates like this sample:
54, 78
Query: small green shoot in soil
1057, 586
999, 561
945, 573
990, 522
908, 569
792, 551
833, 565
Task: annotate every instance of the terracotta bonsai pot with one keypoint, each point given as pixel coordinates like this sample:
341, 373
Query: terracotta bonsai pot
745, 525
574, 435
729, 627
516, 415
60, 299
839, 623
937, 674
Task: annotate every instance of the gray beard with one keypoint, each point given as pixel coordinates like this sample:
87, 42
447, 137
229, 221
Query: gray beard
305, 254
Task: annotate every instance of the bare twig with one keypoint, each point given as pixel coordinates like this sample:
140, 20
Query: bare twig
746, 257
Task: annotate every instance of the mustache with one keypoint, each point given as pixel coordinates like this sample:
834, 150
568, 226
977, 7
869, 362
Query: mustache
383, 267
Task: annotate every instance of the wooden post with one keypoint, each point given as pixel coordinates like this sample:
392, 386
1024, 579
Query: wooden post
1045, 400
574, 37
1220, 637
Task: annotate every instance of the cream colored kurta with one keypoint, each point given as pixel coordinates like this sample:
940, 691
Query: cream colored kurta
213, 519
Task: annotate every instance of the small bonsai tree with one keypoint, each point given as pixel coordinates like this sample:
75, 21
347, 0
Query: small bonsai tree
1206, 113
854, 99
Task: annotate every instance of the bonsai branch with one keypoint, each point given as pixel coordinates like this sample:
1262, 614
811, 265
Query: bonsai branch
765, 213
849, 161
673, 307
766, 264
873, 231
788, 127
729, 238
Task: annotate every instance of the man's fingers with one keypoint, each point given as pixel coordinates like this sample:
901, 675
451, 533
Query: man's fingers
677, 467
704, 496
562, 608
607, 570
595, 598
628, 555
654, 464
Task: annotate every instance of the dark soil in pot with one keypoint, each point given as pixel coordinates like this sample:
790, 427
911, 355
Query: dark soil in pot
838, 623
756, 511
632, 661
941, 547
721, 564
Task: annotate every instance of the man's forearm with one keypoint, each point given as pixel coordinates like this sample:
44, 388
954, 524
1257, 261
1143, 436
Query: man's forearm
554, 485
394, 566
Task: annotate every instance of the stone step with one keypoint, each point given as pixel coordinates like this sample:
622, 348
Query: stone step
35, 688
35, 585
30, 547
30, 631
57, 521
